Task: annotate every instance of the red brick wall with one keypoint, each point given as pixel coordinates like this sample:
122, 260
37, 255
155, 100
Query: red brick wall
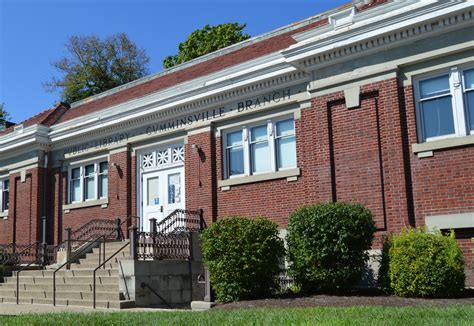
24, 214
200, 177
344, 154
119, 195
442, 184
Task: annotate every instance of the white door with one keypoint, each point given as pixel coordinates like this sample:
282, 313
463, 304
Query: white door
163, 192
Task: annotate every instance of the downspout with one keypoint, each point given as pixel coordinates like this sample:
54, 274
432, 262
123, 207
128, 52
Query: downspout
45, 192
60, 202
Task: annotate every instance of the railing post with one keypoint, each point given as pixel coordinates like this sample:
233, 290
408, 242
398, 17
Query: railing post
69, 247
201, 220
132, 231
119, 229
44, 253
153, 225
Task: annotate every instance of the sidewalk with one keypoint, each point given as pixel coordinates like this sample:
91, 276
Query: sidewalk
13, 309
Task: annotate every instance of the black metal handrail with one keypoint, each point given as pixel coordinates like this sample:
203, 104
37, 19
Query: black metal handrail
72, 259
39, 258
77, 234
181, 220
15, 256
98, 267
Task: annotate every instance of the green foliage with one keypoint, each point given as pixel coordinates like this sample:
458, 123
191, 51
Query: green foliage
327, 245
206, 40
4, 115
243, 256
387, 316
417, 263
94, 65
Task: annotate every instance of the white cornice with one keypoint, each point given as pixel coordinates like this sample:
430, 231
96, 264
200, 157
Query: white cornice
391, 29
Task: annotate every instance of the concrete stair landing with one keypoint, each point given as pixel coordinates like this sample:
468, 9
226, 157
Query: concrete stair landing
74, 287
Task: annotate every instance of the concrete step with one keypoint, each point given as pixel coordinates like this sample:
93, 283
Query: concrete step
87, 280
72, 295
94, 265
69, 273
95, 255
100, 287
116, 304
96, 261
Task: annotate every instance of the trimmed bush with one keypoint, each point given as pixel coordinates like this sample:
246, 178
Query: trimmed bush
243, 256
327, 245
416, 263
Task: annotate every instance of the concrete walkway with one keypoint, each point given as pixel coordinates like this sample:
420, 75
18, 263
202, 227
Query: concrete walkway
13, 309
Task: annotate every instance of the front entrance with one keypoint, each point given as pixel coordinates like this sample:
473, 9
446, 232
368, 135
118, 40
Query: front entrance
162, 184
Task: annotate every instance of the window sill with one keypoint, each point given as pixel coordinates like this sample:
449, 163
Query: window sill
4, 214
290, 175
100, 202
426, 149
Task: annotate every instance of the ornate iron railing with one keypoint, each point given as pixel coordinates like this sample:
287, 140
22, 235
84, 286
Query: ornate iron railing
107, 229
171, 238
181, 220
159, 246
19, 254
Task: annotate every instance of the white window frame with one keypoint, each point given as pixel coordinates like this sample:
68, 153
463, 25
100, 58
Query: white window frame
464, 94
458, 102
2, 190
246, 143
82, 178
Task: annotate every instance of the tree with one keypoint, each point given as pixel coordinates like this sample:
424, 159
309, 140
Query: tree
207, 40
4, 116
94, 65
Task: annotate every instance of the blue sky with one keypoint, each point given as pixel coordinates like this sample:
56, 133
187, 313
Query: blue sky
33, 34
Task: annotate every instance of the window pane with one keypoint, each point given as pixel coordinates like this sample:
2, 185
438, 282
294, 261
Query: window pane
286, 152
438, 117
174, 188
89, 170
434, 86
89, 184
234, 138
470, 108
5, 196
75, 190
260, 154
235, 157
284, 128
103, 185
258, 133
469, 78
75, 173
104, 167
153, 187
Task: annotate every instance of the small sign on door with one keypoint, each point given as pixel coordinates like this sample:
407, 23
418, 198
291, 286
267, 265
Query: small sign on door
157, 201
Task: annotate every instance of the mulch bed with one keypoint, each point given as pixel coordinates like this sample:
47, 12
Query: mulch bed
363, 298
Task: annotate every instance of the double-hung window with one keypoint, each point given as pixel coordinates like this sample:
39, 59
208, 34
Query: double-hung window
258, 148
88, 182
4, 195
445, 104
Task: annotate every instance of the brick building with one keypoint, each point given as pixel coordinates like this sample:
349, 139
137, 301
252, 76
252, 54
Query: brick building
372, 102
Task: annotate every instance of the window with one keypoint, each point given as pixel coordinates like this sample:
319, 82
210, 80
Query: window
88, 182
4, 195
260, 148
445, 104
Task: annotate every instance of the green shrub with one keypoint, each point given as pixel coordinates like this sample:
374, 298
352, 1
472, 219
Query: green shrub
417, 263
243, 256
327, 245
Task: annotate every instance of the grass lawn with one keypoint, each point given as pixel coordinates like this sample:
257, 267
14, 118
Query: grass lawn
453, 315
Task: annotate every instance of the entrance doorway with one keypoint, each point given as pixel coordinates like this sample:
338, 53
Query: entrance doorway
162, 184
